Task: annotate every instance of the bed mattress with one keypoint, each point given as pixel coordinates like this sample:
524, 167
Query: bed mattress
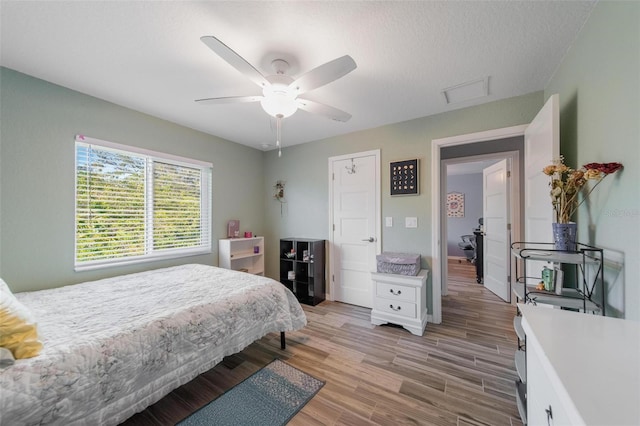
115, 346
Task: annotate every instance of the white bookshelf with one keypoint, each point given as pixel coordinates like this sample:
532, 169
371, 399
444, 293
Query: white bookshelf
242, 254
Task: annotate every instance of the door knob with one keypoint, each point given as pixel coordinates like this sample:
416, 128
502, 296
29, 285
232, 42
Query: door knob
370, 239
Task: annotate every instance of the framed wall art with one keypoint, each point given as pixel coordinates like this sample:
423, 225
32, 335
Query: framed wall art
404, 177
455, 204
233, 228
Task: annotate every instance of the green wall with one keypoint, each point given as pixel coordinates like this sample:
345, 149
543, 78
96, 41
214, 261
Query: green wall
305, 168
599, 87
38, 123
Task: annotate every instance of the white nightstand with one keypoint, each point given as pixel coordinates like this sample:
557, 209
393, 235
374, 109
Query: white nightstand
401, 300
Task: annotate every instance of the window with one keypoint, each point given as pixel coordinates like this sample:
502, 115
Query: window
134, 205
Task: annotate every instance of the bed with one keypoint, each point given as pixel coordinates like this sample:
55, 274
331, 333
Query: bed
115, 346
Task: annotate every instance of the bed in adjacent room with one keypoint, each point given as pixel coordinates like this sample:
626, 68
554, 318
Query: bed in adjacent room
115, 346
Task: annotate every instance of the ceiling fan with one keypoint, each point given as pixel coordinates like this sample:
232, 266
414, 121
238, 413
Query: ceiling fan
280, 91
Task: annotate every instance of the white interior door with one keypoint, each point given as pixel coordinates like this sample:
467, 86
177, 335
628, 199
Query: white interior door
355, 226
541, 146
495, 193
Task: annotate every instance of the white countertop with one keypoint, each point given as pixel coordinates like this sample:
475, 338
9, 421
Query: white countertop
593, 362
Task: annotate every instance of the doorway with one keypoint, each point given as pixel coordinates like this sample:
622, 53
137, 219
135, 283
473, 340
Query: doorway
468, 241
462, 144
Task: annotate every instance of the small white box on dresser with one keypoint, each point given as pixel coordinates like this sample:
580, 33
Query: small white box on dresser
400, 299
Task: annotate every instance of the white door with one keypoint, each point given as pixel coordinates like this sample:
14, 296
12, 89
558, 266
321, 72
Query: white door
541, 146
495, 193
355, 199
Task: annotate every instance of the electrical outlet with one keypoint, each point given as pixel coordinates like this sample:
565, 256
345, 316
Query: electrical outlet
410, 222
388, 222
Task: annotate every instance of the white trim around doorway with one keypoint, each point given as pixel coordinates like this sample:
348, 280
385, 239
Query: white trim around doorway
436, 208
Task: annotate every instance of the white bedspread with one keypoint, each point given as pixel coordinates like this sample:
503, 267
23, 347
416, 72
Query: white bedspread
115, 346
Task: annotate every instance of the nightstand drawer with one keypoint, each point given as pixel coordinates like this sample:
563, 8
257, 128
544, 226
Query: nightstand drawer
400, 299
396, 292
396, 307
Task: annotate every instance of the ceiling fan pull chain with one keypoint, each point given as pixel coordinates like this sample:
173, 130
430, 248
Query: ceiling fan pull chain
279, 134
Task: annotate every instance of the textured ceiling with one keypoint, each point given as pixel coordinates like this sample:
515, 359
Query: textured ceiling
146, 55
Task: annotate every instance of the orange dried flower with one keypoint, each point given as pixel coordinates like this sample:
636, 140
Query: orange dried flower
566, 183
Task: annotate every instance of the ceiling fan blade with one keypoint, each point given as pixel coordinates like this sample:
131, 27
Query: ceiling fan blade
324, 110
229, 100
235, 60
324, 74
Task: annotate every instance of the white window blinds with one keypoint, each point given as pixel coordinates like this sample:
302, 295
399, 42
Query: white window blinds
134, 205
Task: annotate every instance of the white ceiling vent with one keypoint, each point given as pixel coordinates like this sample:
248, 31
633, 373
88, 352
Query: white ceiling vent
467, 91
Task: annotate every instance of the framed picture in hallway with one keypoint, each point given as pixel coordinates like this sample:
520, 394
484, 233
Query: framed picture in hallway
455, 204
403, 177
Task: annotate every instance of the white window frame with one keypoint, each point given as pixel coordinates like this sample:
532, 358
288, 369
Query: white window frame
150, 253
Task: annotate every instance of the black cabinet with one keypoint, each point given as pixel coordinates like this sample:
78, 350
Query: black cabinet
479, 255
302, 268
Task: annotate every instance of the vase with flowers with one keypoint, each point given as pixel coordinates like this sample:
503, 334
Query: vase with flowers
566, 184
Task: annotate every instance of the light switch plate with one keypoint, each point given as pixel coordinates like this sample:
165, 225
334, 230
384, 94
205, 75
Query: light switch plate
410, 222
388, 221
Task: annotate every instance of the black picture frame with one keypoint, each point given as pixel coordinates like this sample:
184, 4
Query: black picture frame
404, 177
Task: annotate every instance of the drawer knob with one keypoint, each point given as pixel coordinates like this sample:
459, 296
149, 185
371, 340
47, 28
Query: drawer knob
395, 309
395, 293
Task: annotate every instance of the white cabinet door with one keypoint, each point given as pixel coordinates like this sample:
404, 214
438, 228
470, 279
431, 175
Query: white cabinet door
543, 404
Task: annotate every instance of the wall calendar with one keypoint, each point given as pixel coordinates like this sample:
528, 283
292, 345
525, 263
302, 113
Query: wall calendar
404, 177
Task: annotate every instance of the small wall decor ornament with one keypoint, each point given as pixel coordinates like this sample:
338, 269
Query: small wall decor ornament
455, 204
404, 177
279, 193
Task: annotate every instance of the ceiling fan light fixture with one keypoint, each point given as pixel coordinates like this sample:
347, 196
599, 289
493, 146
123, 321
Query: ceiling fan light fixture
279, 101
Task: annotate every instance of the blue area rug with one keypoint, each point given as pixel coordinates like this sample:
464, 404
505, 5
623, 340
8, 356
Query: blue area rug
271, 396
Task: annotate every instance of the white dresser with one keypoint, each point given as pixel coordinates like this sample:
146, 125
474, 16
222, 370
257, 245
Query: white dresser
401, 300
581, 369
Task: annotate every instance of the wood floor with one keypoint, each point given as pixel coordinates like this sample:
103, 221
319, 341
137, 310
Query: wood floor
461, 372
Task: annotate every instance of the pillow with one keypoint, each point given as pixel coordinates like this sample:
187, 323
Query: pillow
18, 331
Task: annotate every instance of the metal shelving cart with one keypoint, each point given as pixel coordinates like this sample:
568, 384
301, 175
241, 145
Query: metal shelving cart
584, 265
